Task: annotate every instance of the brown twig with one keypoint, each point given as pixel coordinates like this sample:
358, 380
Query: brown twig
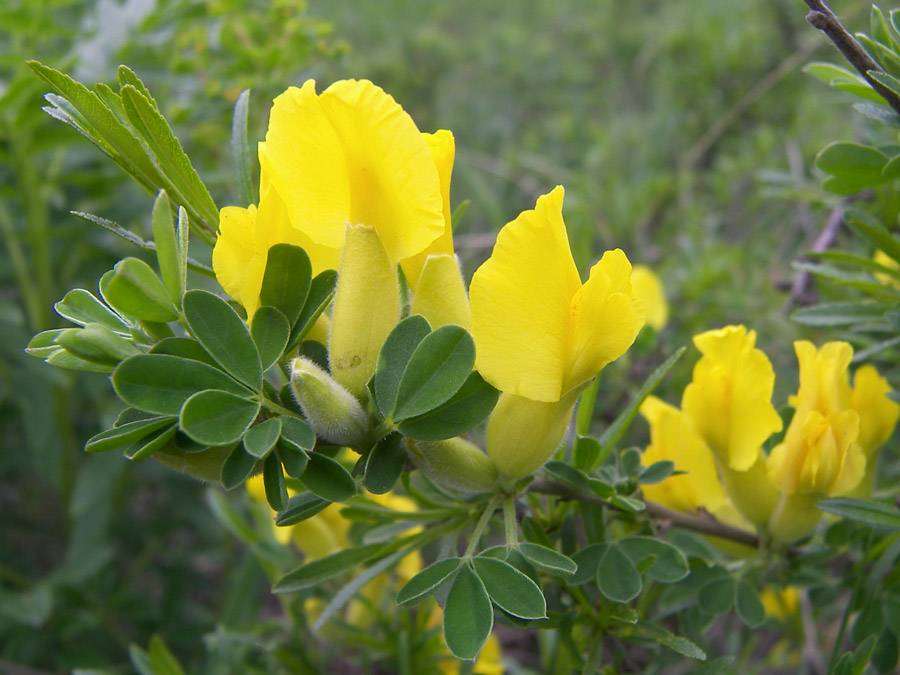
801, 286
821, 17
704, 524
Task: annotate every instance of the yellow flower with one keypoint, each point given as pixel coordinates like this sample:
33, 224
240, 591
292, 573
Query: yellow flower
245, 237
352, 155
820, 455
541, 335
877, 419
673, 438
729, 400
648, 287
538, 330
780, 603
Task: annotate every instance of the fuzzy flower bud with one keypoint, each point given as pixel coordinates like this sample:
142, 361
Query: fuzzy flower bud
454, 463
334, 413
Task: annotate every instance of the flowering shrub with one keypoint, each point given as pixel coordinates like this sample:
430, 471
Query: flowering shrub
349, 365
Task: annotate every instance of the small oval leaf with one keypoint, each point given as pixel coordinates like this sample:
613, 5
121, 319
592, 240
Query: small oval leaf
466, 409
300, 508
160, 384
385, 464
261, 438
270, 331
135, 290
427, 581
510, 589
548, 560
393, 357
215, 417
237, 468
286, 281
670, 564
437, 369
273, 481
223, 334
81, 307
468, 615
328, 479
617, 577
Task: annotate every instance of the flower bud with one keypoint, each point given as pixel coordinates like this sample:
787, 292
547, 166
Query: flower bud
440, 295
523, 434
366, 308
335, 415
751, 491
454, 463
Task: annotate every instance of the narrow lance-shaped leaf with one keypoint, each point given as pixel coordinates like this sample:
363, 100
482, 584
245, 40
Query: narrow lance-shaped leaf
167, 248
240, 149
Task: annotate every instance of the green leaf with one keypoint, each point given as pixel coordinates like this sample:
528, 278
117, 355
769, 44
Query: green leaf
174, 164
171, 264
617, 577
96, 342
224, 335
185, 348
677, 644
468, 615
317, 571
298, 432
83, 110
853, 167
237, 468
162, 661
135, 290
270, 331
548, 560
293, 460
299, 508
321, 292
385, 464
587, 453
160, 384
328, 479
427, 581
215, 417
395, 353
670, 564
656, 472
64, 359
568, 474
273, 481
630, 461
145, 447
261, 438
81, 307
437, 369
44, 344
717, 596
748, 606
880, 113
462, 412
240, 149
588, 562
286, 282
838, 314
865, 511
874, 231
886, 653
620, 425
510, 589
125, 434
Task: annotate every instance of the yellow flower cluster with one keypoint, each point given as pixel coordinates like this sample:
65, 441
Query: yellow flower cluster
347, 175
829, 449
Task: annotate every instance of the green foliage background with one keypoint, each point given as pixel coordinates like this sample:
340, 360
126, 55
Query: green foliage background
684, 133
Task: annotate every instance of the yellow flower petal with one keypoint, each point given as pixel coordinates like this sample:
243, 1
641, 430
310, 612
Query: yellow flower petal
441, 296
649, 289
878, 414
353, 156
235, 252
729, 400
672, 438
521, 304
607, 317
443, 149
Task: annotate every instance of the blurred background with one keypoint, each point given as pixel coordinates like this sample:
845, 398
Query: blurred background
684, 133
